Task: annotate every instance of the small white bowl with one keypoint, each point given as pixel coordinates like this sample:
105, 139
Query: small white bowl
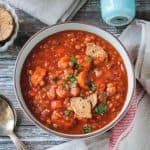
14, 34
36, 38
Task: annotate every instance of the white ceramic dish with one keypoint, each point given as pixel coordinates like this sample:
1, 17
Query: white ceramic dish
73, 26
14, 35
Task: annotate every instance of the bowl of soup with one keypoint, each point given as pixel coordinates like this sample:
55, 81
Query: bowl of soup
74, 80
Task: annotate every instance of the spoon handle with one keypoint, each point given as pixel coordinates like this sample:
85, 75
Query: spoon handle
17, 142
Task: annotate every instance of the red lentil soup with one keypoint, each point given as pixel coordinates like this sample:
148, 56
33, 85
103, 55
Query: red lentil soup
74, 82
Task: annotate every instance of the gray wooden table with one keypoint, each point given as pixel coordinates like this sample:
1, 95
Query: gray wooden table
35, 138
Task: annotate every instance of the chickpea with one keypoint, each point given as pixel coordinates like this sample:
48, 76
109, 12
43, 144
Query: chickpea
113, 110
30, 72
87, 93
96, 62
48, 121
78, 56
94, 126
46, 64
55, 115
70, 35
45, 112
66, 101
75, 91
82, 45
80, 60
73, 39
42, 83
117, 96
52, 92
55, 125
87, 39
61, 92
90, 92
77, 46
110, 105
45, 46
92, 37
70, 64
68, 72
111, 89
63, 62
98, 73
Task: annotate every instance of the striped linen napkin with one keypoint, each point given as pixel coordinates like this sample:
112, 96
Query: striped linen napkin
124, 127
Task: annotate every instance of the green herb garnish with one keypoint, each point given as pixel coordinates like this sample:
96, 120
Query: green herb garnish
74, 84
88, 59
103, 95
87, 129
101, 109
65, 85
67, 112
92, 86
55, 79
74, 62
73, 80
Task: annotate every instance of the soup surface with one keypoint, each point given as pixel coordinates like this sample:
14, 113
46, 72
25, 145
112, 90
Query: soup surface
74, 82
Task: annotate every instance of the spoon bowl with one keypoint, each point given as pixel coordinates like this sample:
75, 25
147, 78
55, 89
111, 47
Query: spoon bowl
7, 117
8, 122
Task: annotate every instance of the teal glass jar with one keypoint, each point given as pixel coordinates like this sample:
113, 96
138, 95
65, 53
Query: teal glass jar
117, 12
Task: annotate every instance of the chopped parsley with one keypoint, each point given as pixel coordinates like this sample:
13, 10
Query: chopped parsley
87, 129
74, 62
88, 59
103, 95
101, 109
73, 80
65, 87
74, 84
92, 86
67, 112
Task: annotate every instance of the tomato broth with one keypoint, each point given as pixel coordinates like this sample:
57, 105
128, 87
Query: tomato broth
74, 82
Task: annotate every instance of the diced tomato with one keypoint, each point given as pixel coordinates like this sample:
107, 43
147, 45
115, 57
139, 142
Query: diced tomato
56, 104
38, 76
60, 50
102, 87
61, 122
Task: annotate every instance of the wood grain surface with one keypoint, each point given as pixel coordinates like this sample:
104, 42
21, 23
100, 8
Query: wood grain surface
35, 138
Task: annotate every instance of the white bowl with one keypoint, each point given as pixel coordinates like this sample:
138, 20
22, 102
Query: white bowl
15, 32
36, 38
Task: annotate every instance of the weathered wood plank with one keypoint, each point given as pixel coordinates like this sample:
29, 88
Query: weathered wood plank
33, 133
38, 145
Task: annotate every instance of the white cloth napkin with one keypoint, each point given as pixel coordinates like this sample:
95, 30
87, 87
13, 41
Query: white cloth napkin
86, 144
137, 42
137, 39
49, 11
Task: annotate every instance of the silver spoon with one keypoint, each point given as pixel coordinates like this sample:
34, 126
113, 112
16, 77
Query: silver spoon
8, 122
